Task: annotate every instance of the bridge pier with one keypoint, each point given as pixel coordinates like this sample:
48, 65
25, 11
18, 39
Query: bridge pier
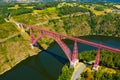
34, 45
20, 26
33, 40
75, 59
73, 63
97, 60
95, 67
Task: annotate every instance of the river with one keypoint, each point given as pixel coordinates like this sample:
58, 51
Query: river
47, 64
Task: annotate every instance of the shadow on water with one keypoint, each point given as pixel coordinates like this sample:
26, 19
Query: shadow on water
57, 57
35, 67
30, 69
39, 67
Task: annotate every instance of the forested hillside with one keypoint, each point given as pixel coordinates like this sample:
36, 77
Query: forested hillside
83, 19
62, 0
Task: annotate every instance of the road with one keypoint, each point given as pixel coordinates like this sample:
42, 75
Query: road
78, 70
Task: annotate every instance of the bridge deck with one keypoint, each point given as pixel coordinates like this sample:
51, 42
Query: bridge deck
77, 39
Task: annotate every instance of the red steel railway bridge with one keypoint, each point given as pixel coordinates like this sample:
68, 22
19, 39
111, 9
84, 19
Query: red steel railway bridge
71, 55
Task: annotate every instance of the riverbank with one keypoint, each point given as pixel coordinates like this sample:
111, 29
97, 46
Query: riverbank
108, 69
14, 49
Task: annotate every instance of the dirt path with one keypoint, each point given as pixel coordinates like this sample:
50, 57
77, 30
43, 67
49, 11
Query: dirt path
9, 37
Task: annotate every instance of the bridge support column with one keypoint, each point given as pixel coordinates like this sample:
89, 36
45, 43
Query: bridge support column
20, 26
31, 37
74, 55
97, 60
34, 40
73, 63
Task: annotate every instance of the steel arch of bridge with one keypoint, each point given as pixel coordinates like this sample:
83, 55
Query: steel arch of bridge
71, 55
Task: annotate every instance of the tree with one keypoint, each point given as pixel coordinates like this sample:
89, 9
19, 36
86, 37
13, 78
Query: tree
66, 73
99, 8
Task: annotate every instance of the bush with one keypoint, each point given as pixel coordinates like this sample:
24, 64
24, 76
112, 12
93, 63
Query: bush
66, 73
99, 8
1, 19
107, 58
70, 10
46, 5
21, 11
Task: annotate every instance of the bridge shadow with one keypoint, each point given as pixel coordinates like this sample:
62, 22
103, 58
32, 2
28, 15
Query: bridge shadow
57, 57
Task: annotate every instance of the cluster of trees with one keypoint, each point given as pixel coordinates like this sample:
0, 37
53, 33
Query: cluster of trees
6, 4
99, 75
107, 59
110, 6
4, 11
3, 14
99, 8
20, 11
1, 19
105, 24
66, 73
64, 10
108, 24
77, 25
45, 5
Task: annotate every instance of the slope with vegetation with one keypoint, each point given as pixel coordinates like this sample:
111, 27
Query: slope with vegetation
74, 19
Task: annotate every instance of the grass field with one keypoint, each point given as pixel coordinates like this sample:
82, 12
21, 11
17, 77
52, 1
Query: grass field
37, 11
7, 29
38, 16
98, 12
15, 7
13, 50
31, 7
118, 6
